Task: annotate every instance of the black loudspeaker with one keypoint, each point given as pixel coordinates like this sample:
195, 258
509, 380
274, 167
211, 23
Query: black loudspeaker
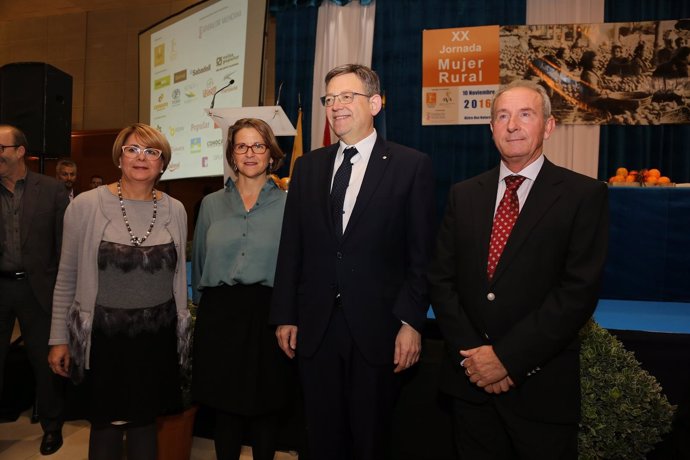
37, 98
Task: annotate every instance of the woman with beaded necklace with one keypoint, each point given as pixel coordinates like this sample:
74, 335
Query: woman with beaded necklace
120, 320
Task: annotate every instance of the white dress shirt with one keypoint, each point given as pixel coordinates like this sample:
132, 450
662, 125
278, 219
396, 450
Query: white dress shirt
530, 173
359, 167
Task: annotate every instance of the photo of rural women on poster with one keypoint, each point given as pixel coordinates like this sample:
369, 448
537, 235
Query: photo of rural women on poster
613, 73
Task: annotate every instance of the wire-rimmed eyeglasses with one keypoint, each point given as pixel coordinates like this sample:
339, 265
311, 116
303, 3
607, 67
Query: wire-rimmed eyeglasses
345, 97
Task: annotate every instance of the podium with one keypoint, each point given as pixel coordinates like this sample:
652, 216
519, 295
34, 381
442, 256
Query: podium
223, 118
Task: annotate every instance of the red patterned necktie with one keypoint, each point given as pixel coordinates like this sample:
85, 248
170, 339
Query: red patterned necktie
504, 220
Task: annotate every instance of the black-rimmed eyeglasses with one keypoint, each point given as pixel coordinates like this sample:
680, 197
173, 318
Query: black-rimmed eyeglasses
3, 147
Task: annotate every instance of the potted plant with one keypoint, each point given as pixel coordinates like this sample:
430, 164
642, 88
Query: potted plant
624, 411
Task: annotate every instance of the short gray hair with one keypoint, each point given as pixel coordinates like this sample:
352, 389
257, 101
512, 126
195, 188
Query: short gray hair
545, 101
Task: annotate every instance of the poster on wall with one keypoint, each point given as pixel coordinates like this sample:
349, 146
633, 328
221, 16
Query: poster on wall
612, 73
460, 75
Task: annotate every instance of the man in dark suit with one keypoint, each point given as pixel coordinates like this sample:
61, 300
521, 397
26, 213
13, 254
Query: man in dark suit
350, 295
31, 212
515, 276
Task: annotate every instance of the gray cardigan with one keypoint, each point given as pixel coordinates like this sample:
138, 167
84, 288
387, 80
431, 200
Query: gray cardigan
77, 280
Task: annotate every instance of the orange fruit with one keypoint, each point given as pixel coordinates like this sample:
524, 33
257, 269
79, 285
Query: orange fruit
622, 172
654, 173
616, 179
633, 173
651, 180
631, 178
664, 180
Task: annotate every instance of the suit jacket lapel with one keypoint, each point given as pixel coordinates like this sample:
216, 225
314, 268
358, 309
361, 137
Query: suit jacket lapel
325, 176
545, 192
483, 206
32, 189
378, 162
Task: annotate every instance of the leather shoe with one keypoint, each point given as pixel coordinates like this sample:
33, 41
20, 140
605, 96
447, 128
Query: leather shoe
51, 443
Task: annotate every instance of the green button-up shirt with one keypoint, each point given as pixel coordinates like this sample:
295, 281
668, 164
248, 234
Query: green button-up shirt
235, 246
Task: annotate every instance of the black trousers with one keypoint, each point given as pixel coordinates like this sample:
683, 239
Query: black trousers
490, 431
348, 401
17, 301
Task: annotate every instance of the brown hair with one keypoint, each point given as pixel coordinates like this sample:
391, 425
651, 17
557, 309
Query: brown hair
364, 73
267, 135
149, 136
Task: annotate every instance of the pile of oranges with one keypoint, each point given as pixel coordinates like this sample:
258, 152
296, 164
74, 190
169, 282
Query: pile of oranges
646, 177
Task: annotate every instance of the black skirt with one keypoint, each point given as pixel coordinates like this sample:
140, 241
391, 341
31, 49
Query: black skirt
237, 365
134, 371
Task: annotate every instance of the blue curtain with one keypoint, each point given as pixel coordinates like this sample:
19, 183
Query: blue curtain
664, 147
458, 152
295, 32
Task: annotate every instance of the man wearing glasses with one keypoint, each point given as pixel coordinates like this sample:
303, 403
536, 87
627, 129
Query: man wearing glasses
31, 211
350, 296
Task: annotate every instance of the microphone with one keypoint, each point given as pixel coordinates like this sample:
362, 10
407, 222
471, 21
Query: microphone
213, 100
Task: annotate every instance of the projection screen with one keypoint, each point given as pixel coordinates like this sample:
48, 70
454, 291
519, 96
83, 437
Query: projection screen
183, 61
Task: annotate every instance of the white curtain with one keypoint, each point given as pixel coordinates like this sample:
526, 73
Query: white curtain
344, 35
575, 147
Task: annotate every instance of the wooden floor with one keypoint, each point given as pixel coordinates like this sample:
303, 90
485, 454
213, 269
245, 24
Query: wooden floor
20, 440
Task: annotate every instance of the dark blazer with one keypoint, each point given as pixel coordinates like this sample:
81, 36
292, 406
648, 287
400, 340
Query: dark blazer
544, 289
43, 205
378, 265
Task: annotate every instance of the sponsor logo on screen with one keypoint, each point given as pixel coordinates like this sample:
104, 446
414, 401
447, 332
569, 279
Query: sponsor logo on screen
162, 103
204, 162
200, 70
210, 89
175, 130
162, 82
195, 145
180, 76
214, 143
159, 55
229, 60
195, 127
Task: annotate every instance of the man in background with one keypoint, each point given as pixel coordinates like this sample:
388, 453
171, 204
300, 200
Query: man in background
31, 212
515, 276
66, 172
350, 295
96, 181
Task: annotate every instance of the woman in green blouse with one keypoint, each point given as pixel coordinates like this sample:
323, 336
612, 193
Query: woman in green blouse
238, 368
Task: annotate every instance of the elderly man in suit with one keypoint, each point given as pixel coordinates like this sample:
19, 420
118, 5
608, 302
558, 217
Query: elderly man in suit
515, 275
350, 295
31, 211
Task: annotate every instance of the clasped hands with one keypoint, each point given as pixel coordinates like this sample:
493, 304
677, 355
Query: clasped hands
485, 370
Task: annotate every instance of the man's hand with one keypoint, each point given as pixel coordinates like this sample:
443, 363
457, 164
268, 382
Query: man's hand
59, 359
408, 346
287, 339
482, 366
501, 386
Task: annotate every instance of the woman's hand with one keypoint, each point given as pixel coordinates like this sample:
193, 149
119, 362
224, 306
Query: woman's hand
58, 360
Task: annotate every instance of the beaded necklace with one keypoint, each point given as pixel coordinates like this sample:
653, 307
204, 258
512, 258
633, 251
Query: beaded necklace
136, 241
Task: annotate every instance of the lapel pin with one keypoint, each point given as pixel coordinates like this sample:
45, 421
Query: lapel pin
385, 157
